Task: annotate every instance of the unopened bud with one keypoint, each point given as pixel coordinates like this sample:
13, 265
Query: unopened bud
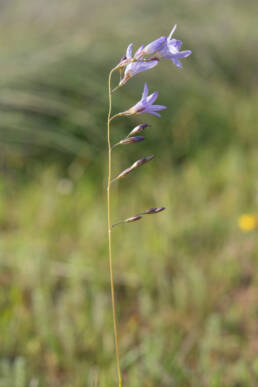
136, 164
153, 210
128, 220
138, 129
142, 161
123, 174
132, 219
130, 140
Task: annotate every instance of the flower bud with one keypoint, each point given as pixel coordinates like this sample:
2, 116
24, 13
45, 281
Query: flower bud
128, 220
142, 161
153, 210
135, 165
123, 174
132, 219
130, 140
138, 129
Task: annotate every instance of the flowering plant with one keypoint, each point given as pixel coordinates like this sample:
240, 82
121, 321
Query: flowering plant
145, 58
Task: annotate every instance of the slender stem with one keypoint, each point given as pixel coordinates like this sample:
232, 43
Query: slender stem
110, 232
116, 88
116, 224
116, 115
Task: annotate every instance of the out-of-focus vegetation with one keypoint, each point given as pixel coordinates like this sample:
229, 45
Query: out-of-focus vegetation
186, 279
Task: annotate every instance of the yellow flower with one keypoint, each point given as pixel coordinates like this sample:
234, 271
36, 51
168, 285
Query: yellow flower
247, 222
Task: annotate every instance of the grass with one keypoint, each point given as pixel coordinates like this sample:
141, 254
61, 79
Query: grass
187, 293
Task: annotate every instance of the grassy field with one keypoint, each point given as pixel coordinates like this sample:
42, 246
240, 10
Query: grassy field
186, 279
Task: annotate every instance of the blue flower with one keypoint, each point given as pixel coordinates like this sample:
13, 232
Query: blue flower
136, 67
163, 47
145, 105
135, 64
171, 50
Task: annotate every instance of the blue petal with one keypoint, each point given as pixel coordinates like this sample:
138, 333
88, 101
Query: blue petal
154, 46
142, 66
184, 54
173, 50
138, 53
129, 51
145, 91
176, 43
158, 107
129, 69
152, 98
164, 51
180, 54
172, 31
155, 114
177, 62
136, 67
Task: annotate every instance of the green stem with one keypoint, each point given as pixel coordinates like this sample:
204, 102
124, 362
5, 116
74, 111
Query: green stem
110, 232
116, 115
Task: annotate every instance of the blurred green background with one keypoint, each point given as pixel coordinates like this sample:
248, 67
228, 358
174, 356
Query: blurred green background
186, 279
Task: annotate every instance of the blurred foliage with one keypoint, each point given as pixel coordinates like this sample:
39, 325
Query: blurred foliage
186, 279
55, 59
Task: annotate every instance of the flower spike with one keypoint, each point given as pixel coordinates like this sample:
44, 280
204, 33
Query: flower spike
144, 58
